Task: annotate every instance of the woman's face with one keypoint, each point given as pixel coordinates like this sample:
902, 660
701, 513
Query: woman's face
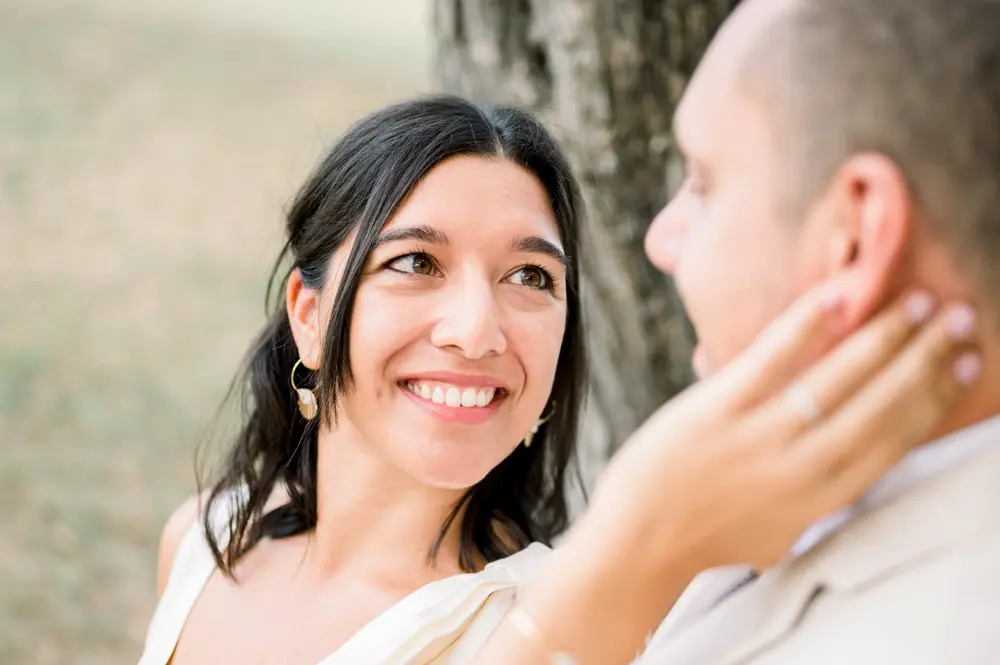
457, 322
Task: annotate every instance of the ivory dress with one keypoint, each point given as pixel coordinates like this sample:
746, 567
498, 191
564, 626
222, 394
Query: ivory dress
445, 622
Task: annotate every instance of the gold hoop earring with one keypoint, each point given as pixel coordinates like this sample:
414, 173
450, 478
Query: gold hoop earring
307, 399
538, 423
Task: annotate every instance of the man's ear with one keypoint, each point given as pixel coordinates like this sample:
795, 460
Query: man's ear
302, 304
875, 211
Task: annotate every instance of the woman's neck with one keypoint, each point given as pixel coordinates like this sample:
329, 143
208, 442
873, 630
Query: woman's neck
372, 518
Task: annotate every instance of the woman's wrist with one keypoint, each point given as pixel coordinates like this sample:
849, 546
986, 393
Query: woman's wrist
598, 600
653, 542
633, 559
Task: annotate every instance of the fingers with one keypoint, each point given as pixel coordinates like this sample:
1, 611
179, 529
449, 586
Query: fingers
899, 409
837, 376
779, 352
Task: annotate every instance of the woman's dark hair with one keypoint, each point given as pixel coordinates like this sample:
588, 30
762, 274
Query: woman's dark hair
358, 186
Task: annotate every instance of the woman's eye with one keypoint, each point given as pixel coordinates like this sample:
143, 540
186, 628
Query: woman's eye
417, 263
532, 277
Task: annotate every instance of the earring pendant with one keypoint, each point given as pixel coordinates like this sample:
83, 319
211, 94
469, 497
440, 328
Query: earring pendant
526, 442
308, 406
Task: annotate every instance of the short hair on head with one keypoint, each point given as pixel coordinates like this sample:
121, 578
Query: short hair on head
915, 80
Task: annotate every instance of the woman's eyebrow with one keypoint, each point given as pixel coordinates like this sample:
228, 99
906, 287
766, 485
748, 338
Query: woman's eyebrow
536, 245
427, 234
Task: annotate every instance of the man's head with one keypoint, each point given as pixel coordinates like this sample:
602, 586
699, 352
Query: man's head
854, 140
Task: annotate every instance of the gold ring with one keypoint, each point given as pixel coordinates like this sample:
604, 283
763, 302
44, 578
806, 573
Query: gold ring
804, 404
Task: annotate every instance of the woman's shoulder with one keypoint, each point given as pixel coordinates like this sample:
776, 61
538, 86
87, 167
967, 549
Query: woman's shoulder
188, 517
176, 527
524, 565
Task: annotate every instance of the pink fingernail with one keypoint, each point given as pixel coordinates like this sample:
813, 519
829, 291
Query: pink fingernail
967, 368
831, 297
919, 307
961, 323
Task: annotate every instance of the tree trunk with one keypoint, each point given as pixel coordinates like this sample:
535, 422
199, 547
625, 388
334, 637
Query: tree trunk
605, 77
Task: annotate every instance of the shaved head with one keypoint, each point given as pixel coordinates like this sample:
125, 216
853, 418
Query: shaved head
915, 80
847, 142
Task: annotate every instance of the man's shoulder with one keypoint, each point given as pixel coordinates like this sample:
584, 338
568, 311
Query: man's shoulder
917, 580
914, 580
942, 609
941, 581
933, 520
936, 610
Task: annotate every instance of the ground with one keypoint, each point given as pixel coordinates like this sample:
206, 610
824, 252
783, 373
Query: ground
147, 151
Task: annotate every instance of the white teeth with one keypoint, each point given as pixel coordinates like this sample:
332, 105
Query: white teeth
469, 396
484, 396
453, 396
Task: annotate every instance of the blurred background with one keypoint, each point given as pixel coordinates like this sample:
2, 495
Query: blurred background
147, 151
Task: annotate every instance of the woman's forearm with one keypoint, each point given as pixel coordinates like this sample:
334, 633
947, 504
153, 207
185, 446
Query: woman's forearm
598, 599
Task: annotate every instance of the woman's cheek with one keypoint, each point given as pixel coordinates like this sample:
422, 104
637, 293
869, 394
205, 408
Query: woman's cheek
383, 323
538, 340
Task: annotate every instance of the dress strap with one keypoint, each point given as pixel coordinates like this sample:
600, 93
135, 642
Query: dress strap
190, 571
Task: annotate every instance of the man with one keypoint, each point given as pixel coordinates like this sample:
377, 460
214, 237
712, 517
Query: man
854, 140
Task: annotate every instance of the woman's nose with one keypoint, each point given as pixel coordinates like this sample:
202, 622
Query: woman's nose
469, 322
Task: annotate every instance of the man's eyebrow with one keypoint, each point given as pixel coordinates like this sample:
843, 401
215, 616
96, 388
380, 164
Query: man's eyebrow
427, 234
536, 245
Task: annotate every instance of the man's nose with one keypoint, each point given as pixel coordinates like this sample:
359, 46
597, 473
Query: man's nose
469, 321
665, 238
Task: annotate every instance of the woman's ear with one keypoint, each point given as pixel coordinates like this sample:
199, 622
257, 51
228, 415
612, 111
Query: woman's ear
302, 304
875, 210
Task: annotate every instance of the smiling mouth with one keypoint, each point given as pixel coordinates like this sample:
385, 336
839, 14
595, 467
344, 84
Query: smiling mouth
446, 394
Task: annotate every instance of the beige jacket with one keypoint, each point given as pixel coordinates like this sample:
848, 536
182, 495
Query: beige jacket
915, 581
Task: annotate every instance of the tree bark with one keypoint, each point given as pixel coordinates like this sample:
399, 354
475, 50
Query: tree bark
605, 76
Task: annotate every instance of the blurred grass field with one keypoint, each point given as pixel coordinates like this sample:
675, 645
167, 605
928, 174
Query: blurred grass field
147, 151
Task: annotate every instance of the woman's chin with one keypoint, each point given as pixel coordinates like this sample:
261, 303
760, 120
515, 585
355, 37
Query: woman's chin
457, 469
443, 479
431, 460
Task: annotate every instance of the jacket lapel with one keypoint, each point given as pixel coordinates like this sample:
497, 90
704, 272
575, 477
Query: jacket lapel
742, 625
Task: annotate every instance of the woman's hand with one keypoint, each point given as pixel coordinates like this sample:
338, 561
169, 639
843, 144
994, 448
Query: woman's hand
736, 468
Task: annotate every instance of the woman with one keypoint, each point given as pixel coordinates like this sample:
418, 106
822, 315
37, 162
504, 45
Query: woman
413, 407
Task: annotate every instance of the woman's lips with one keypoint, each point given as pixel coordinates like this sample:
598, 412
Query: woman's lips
468, 406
